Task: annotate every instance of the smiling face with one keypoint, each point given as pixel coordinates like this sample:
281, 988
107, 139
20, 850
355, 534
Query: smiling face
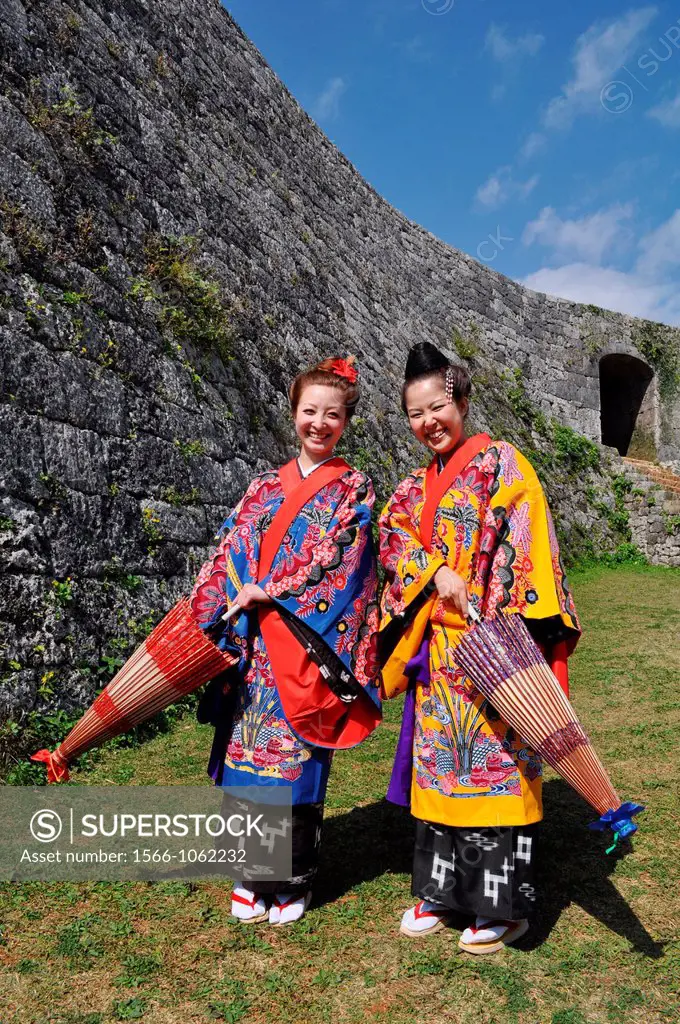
437, 423
320, 419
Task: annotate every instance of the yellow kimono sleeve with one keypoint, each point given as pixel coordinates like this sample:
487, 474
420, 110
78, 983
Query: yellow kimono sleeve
526, 572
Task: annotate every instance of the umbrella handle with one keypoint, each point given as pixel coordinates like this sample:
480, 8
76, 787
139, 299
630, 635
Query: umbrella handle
473, 614
233, 611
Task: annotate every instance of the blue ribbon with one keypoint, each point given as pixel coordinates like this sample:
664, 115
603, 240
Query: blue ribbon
619, 821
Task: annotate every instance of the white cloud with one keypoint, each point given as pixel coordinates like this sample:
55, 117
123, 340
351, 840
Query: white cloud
532, 145
510, 53
586, 238
612, 289
667, 112
650, 289
326, 106
503, 48
598, 53
501, 186
660, 249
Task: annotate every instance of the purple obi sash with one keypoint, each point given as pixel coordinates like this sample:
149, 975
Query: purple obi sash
418, 671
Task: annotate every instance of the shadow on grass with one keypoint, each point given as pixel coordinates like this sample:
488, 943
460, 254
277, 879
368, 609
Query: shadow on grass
362, 845
368, 842
574, 868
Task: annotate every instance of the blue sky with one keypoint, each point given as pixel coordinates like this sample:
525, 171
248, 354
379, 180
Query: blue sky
541, 138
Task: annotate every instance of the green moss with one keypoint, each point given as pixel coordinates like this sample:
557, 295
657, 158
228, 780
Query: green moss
74, 298
177, 498
466, 346
621, 486
141, 628
519, 401
616, 517
115, 573
625, 554
150, 523
563, 458
62, 591
190, 305
56, 492
577, 451
66, 119
660, 346
672, 524
189, 449
28, 237
593, 343
107, 358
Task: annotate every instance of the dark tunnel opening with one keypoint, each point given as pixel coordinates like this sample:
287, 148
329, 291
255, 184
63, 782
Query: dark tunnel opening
624, 381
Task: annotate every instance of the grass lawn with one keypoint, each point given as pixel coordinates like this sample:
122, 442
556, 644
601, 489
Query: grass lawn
605, 947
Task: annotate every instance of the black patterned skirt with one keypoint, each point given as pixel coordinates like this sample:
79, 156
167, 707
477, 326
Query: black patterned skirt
307, 821
485, 872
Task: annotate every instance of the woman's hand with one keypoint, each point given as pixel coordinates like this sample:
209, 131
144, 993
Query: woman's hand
250, 595
451, 588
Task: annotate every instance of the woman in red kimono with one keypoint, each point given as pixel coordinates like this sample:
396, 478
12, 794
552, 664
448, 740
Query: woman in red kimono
297, 558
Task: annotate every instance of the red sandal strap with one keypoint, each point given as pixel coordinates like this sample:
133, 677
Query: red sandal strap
242, 899
493, 924
418, 912
287, 903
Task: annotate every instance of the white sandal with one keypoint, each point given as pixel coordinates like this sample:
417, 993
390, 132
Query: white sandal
288, 907
424, 919
247, 906
490, 936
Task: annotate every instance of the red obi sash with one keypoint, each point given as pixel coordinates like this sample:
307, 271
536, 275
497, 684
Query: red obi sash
311, 708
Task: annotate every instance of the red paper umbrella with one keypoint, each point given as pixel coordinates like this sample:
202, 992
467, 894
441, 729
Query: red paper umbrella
504, 663
175, 659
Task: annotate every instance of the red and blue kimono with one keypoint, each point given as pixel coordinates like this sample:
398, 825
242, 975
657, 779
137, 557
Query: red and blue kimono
306, 680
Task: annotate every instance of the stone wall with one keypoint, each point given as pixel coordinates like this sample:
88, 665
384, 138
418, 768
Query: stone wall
652, 504
656, 532
178, 239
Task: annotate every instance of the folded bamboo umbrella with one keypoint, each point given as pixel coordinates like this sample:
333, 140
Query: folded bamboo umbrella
176, 658
502, 660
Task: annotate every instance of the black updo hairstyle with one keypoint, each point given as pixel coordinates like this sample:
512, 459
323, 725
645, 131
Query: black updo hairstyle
425, 360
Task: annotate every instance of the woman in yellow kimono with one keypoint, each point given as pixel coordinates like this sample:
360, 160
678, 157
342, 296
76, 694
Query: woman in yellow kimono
472, 527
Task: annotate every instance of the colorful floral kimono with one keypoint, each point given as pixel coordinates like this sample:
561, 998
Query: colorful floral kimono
458, 764
306, 679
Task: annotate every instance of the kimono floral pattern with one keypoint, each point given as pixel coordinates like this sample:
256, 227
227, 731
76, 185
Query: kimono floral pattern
493, 527
325, 574
261, 741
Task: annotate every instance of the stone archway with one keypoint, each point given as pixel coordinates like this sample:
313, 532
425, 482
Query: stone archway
627, 414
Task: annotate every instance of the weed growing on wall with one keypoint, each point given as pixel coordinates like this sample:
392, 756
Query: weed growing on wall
659, 345
188, 300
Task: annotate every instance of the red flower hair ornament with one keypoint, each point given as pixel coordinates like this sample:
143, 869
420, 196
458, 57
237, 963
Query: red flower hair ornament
342, 368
